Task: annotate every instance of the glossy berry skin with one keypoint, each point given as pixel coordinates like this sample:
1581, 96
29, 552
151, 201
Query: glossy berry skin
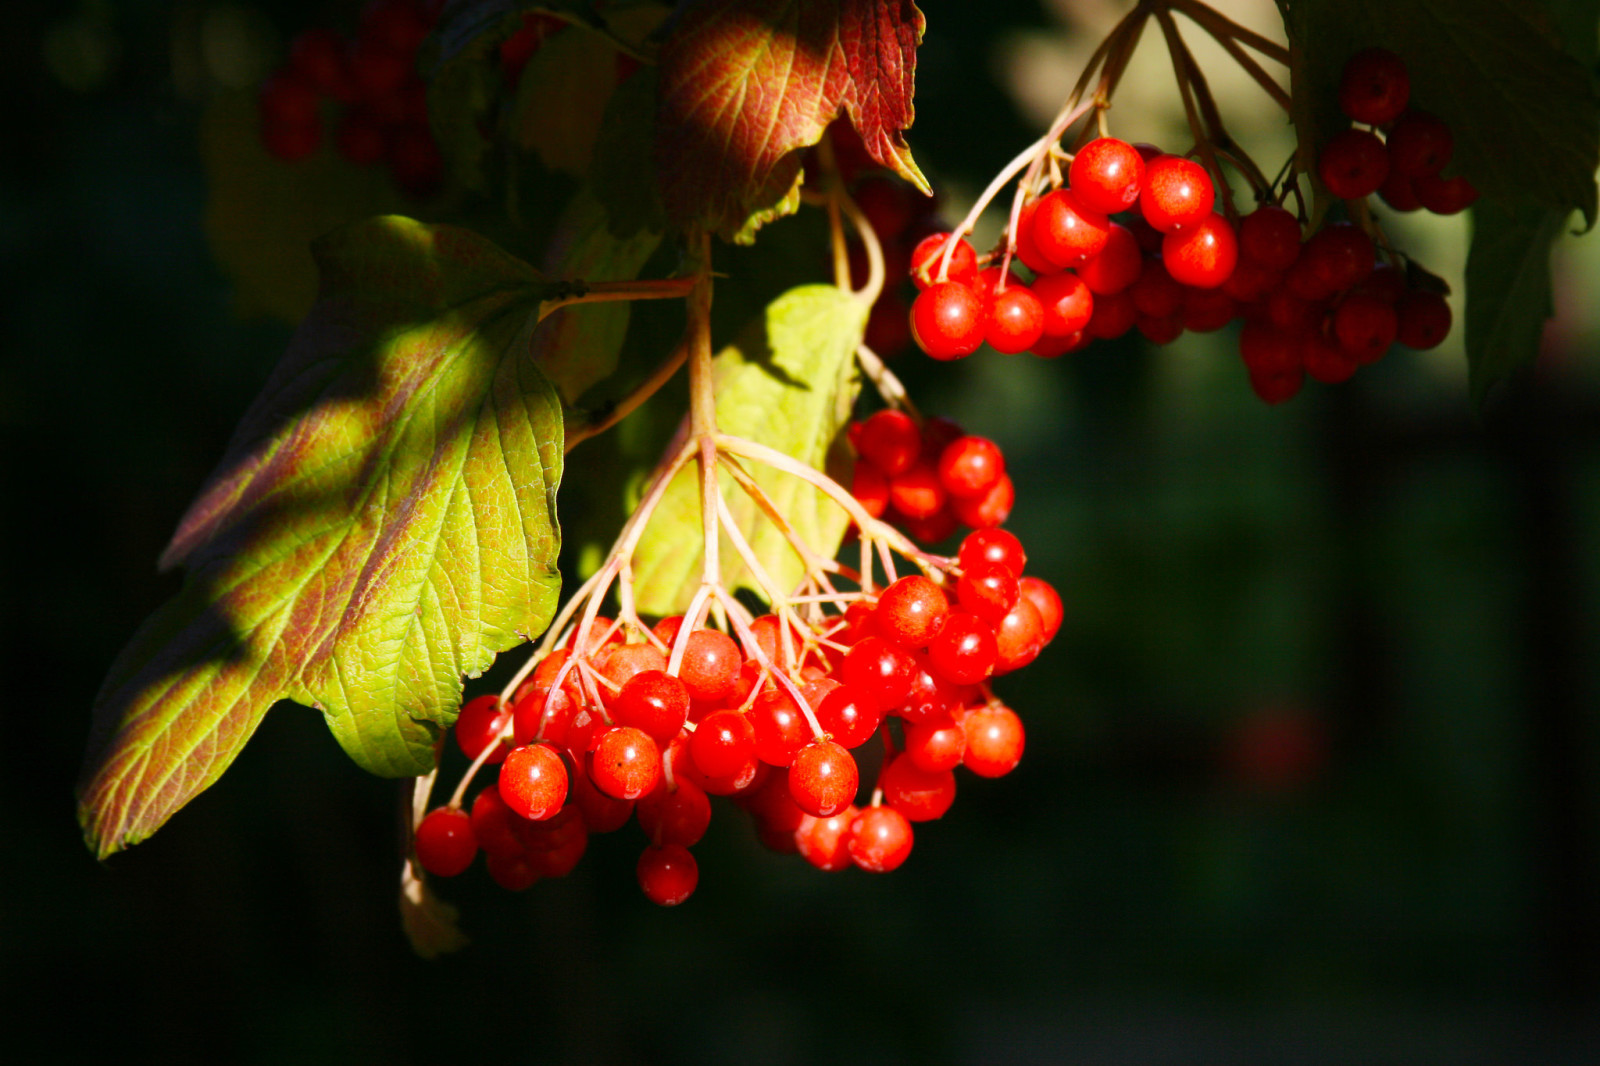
533, 781
970, 466
667, 874
890, 441
823, 778
1270, 235
994, 741
710, 665
849, 717
1047, 602
870, 488
921, 795
1177, 192
1106, 175
880, 839
779, 727
1374, 87
935, 745
1066, 231
988, 591
917, 493
1201, 255
1018, 637
989, 510
1339, 255
930, 250
723, 744
948, 320
879, 670
911, 612
992, 546
655, 702
626, 764
1419, 144
479, 726
1353, 164
1068, 304
445, 842
964, 652
678, 815
1422, 320
1016, 319
825, 842
1117, 265
1027, 250
1365, 326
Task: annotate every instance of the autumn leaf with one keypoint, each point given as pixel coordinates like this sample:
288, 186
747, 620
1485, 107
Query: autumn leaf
746, 84
382, 524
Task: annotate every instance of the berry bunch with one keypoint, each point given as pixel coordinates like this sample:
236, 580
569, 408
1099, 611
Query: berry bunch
929, 479
382, 110
1404, 167
622, 721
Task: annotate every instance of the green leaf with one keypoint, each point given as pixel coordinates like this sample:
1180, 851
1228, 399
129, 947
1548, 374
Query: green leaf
1524, 111
747, 84
623, 174
383, 523
263, 213
577, 346
790, 382
561, 98
1508, 286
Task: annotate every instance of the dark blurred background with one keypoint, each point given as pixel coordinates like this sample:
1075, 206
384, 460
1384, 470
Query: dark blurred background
1311, 773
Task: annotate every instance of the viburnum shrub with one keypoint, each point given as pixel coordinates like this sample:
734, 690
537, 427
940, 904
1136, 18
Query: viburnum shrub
803, 616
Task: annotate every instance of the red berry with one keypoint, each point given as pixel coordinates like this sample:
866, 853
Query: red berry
929, 251
992, 546
1374, 87
870, 488
1270, 235
933, 746
880, 839
890, 441
1113, 316
879, 670
1445, 196
1365, 326
1019, 637
710, 665
1327, 361
677, 815
1387, 282
1160, 330
1067, 302
654, 701
723, 744
887, 203
480, 725
1251, 281
1107, 175
912, 611
667, 874
1156, 294
1340, 256
823, 778
1116, 266
994, 740
889, 324
626, 763
317, 56
1277, 388
291, 142
987, 590
825, 842
917, 493
779, 728
990, 509
513, 871
1353, 164
948, 320
850, 716
970, 466
1027, 250
1208, 310
533, 781
1201, 255
1177, 192
1066, 231
964, 652
1016, 319
1044, 598
1423, 320
493, 822
1399, 192
1419, 144
601, 813
445, 842
921, 795
1268, 349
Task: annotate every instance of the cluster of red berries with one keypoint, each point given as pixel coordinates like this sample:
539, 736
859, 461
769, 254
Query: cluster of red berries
1404, 167
383, 107
930, 479
653, 726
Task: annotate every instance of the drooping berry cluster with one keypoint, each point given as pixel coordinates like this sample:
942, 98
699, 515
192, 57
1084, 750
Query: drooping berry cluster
380, 112
1405, 166
623, 722
930, 479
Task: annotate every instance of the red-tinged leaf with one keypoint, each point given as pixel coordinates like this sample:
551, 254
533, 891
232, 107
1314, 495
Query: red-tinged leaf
746, 84
382, 524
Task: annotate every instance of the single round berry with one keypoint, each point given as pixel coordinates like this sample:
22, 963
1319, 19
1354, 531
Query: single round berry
1270, 235
992, 546
948, 320
1177, 192
928, 253
1027, 250
626, 764
1047, 602
917, 493
964, 651
1353, 164
779, 728
1201, 255
480, 725
653, 701
1208, 310
667, 874
870, 488
1340, 255
1116, 266
1269, 349
1419, 144
601, 813
987, 590
890, 441
825, 842
1156, 294
1018, 637
1364, 326
1325, 360
1066, 231
921, 795
493, 822
1422, 320
879, 670
1107, 175
994, 740
676, 815
850, 717
823, 778
989, 510
723, 743
1068, 304
513, 871
710, 665
934, 746
970, 466
880, 839
1444, 196
1374, 87
912, 611
1399, 191
1277, 388
1016, 319
533, 781
445, 842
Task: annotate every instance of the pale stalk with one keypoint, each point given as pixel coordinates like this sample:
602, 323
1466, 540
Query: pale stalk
748, 638
869, 241
883, 379
1223, 28
632, 401
814, 563
1181, 69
